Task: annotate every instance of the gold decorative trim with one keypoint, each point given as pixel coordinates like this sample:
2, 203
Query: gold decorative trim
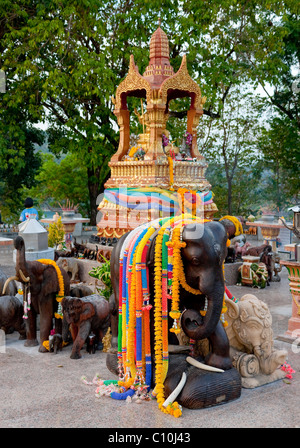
181, 81
133, 81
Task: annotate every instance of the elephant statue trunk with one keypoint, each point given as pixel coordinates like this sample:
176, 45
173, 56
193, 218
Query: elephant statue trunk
205, 266
198, 326
270, 361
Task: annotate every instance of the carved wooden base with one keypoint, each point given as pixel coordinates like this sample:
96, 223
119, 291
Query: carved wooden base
202, 389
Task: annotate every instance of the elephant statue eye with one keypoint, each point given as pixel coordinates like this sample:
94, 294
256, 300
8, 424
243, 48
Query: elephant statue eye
195, 261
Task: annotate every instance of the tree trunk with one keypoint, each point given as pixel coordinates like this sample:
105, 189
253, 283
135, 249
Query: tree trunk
93, 186
229, 197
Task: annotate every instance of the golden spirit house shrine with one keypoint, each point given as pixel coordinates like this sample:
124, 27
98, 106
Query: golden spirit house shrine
154, 179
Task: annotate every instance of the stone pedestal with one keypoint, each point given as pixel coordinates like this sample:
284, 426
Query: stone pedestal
36, 255
293, 331
269, 231
6, 245
232, 272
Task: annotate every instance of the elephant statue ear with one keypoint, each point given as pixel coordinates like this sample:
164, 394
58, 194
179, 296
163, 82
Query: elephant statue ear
232, 308
88, 311
64, 300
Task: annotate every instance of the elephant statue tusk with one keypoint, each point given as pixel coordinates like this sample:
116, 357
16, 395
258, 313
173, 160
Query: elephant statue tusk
200, 365
24, 279
7, 282
176, 391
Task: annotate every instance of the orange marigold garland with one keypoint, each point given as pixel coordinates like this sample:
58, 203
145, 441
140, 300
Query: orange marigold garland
177, 245
60, 279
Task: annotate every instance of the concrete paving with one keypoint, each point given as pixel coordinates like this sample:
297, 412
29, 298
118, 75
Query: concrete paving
46, 391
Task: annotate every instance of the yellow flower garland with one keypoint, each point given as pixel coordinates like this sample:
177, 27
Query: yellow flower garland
185, 202
236, 222
160, 335
171, 172
177, 245
132, 151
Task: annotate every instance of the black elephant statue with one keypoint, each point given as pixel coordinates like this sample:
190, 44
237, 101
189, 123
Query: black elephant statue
55, 343
91, 344
80, 290
83, 316
201, 301
11, 315
42, 282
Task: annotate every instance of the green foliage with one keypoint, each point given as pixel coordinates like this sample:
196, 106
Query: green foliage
229, 145
62, 178
279, 145
102, 273
19, 163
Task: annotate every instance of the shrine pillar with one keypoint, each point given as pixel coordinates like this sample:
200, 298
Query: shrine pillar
157, 121
123, 117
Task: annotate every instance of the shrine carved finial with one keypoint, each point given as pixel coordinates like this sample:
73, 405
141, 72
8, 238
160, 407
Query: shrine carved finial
133, 82
183, 82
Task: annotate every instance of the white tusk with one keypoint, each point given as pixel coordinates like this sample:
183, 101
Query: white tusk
24, 279
176, 391
7, 282
200, 365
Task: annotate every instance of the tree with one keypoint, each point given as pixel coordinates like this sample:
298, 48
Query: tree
61, 179
285, 98
279, 144
19, 161
66, 58
229, 145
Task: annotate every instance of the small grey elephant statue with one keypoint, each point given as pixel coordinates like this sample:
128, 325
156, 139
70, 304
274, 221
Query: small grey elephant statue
85, 315
70, 265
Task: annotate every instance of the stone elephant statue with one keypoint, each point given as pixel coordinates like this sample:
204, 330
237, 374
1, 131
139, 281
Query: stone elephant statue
250, 332
11, 315
83, 316
201, 294
41, 280
70, 265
